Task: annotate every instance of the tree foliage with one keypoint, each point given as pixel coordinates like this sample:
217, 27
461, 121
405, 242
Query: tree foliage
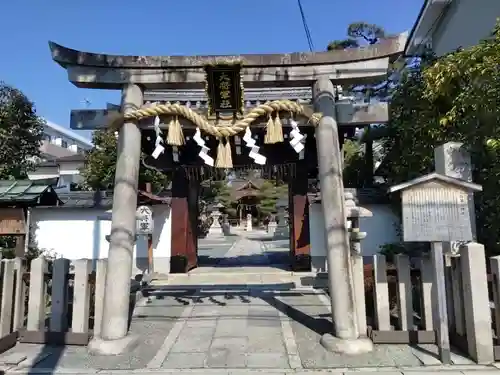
21, 132
100, 165
453, 98
219, 192
269, 193
354, 164
358, 34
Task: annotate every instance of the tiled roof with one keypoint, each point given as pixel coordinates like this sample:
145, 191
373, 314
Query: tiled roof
86, 199
71, 158
375, 195
102, 199
22, 191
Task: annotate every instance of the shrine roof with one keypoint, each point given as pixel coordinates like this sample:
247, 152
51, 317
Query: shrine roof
241, 188
240, 184
86, 199
389, 47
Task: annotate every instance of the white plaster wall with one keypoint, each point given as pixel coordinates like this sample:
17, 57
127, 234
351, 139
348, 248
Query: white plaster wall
318, 239
380, 229
81, 233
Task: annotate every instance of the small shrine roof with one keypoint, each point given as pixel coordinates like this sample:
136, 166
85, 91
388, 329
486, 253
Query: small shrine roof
436, 177
25, 192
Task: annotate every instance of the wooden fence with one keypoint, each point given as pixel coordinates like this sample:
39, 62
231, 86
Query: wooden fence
59, 303
398, 301
400, 304
55, 303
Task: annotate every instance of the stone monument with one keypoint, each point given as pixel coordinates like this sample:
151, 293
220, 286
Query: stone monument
452, 159
226, 227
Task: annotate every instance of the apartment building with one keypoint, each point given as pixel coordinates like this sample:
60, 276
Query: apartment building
61, 142
62, 157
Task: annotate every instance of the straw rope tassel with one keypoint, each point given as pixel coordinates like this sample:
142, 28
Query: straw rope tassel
269, 138
175, 137
229, 156
278, 129
221, 155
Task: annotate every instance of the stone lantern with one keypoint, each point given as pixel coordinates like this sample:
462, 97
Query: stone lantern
215, 228
282, 230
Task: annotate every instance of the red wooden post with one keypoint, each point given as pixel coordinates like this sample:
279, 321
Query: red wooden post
300, 241
184, 239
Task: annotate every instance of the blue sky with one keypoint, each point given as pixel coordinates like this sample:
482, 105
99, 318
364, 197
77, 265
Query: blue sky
166, 27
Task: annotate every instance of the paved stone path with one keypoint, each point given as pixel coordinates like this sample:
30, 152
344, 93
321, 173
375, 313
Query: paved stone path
254, 248
211, 249
235, 328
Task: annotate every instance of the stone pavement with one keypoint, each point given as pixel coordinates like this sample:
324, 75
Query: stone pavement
232, 329
254, 248
212, 248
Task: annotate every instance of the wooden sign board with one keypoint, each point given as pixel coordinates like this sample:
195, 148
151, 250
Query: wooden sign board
12, 221
144, 220
435, 212
224, 88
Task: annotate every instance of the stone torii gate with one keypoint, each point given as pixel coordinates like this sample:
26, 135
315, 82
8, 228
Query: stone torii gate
139, 76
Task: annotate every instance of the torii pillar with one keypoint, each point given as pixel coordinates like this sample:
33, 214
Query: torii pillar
345, 338
113, 339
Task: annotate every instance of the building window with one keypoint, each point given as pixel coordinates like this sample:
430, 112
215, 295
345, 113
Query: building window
47, 137
64, 144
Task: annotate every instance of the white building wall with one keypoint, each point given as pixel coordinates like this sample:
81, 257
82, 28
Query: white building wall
380, 228
465, 24
81, 233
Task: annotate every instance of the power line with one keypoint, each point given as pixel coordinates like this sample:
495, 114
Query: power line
306, 27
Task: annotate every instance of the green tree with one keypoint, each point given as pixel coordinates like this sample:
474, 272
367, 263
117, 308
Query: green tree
268, 195
354, 164
412, 133
452, 98
466, 83
361, 34
355, 161
100, 165
21, 132
358, 34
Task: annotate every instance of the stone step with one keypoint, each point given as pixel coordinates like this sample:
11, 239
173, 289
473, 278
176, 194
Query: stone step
278, 280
